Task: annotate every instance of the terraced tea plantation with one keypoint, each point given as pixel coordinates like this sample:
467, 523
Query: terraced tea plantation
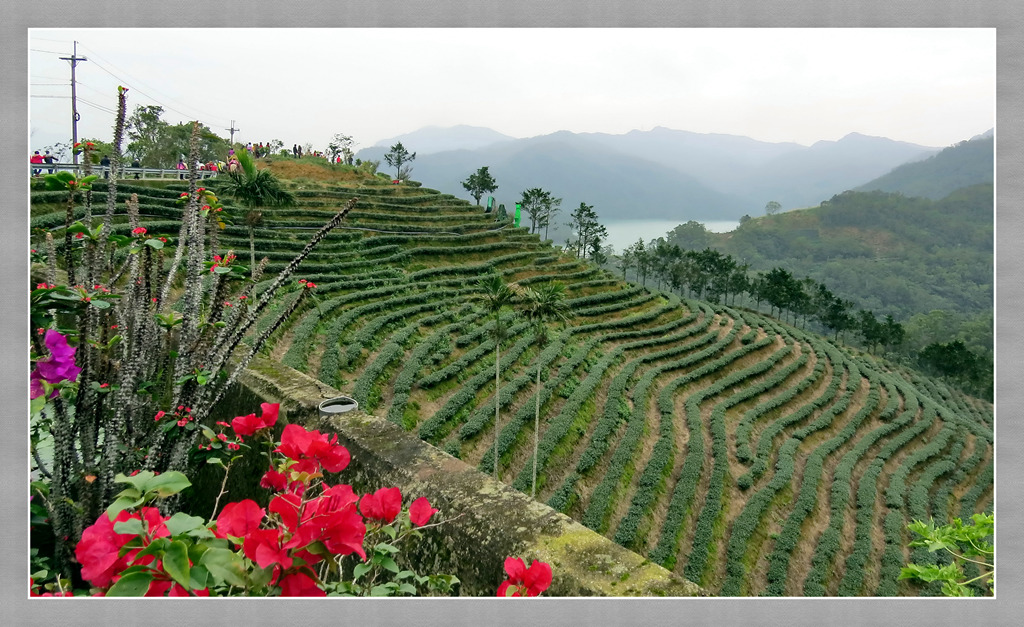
742, 453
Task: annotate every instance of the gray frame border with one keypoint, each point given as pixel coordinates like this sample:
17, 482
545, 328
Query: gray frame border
16, 609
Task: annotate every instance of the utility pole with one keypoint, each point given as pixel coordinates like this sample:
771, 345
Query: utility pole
232, 129
74, 58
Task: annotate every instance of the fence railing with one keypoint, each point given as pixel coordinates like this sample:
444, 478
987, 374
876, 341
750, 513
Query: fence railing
39, 169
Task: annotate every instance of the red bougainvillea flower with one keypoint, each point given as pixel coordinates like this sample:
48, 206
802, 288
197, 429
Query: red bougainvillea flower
334, 511
312, 449
382, 505
98, 550
420, 511
239, 519
523, 581
273, 480
248, 425
300, 585
263, 546
141, 230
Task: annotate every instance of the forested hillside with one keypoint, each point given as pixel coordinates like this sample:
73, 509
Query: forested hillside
965, 164
890, 253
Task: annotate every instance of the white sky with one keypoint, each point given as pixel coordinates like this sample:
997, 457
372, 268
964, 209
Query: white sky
933, 87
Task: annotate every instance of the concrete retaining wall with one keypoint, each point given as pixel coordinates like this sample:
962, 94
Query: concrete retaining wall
487, 521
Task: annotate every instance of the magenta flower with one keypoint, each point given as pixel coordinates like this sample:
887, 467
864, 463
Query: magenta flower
59, 367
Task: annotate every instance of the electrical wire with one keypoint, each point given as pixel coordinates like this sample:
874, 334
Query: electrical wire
97, 106
137, 81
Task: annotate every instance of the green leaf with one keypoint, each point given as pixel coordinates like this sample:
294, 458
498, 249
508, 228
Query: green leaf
383, 590
198, 576
384, 547
222, 269
138, 481
176, 562
131, 585
388, 529
132, 526
168, 483
156, 547
155, 244
182, 523
389, 564
224, 565
405, 574
259, 577
407, 588
37, 404
360, 570
100, 304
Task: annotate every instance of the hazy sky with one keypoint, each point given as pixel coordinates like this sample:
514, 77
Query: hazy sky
927, 86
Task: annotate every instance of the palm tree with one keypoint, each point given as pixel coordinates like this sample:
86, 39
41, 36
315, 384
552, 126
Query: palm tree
496, 294
544, 304
257, 188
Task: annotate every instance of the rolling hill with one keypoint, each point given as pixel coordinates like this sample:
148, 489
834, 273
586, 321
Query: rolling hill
889, 253
738, 451
970, 162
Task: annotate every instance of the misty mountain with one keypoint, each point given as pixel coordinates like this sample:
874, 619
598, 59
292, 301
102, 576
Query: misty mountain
967, 163
805, 177
576, 169
657, 174
433, 139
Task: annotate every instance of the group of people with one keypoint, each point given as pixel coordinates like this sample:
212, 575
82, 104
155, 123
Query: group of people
38, 158
232, 164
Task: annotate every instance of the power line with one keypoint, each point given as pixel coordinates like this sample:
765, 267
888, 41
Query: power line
124, 82
46, 51
97, 106
212, 118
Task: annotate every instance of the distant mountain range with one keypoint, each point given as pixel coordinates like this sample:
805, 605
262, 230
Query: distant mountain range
661, 174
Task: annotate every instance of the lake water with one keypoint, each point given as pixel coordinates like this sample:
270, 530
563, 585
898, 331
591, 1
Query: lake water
623, 233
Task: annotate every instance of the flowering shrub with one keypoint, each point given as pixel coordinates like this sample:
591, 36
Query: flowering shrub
523, 581
293, 547
59, 367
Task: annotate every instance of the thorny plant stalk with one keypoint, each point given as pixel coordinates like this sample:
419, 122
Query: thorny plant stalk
99, 435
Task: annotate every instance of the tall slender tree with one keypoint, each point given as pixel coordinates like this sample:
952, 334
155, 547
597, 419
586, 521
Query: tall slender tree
585, 228
496, 295
542, 305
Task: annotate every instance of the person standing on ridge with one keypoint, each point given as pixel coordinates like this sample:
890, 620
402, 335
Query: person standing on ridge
36, 158
105, 162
